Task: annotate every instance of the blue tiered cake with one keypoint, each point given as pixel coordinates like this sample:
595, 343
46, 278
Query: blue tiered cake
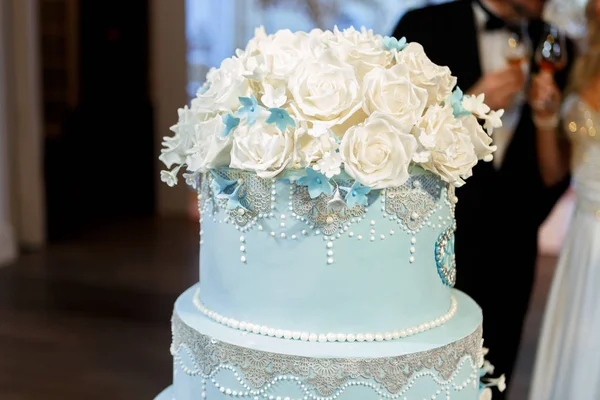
325, 164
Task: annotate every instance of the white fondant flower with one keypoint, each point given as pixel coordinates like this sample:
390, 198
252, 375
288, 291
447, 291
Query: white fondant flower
226, 85
437, 80
377, 153
169, 177
500, 383
210, 149
318, 130
362, 49
262, 148
391, 91
476, 105
482, 142
493, 120
485, 394
274, 56
273, 97
330, 164
487, 367
452, 152
176, 147
325, 91
191, 179
310, 147
422, 157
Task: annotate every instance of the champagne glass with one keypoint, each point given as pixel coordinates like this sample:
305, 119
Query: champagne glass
551, 54
518, 48
518, 52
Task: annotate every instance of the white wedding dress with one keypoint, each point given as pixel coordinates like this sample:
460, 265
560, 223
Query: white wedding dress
568, 357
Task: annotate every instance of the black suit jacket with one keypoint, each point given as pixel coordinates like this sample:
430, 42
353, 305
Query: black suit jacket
448, 33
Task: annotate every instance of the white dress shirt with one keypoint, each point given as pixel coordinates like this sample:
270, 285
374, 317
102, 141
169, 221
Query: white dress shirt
492, 50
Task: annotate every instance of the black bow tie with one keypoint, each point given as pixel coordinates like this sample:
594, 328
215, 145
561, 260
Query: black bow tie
494, 22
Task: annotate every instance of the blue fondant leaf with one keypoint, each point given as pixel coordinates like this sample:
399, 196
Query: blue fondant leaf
221, 185
233, 199
250, 109
230, 122
456, 102
316, 182
391, 43
281, 118
357, 194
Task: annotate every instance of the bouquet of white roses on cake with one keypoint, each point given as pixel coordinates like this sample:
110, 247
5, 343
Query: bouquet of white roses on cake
335, 102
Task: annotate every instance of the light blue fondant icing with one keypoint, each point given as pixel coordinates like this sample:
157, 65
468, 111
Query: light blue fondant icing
466, 320
372, 278
190, 376
166, 394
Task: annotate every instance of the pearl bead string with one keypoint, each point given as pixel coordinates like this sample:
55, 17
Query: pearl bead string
329, 337
445, 386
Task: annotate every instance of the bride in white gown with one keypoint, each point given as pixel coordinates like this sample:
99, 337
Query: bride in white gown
568, 358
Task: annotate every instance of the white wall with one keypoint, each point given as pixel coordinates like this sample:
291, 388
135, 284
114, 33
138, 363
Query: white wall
7, 242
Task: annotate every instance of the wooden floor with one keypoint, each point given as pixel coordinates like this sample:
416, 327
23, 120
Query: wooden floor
89, 318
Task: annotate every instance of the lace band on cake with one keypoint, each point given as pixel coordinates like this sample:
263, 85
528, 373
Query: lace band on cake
246, 198
324, 337
389, 376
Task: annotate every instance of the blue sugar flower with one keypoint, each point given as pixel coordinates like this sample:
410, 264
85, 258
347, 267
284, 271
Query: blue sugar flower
281, 118
391, 43
230, 122
250, 109
317, 183
456, 102
357, 195
233, 199
221, 185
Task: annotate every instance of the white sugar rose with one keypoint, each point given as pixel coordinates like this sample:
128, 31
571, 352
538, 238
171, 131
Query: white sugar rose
325, 91
378, 152
447, 143
210, 149
481, 140
361, 49
282, 53
226, 85
262, 148
437, 80
391, 91
176, 146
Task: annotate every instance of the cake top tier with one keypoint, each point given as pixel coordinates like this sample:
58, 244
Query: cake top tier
325, 104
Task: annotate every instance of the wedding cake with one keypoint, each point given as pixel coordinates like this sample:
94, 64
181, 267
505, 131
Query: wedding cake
325, 164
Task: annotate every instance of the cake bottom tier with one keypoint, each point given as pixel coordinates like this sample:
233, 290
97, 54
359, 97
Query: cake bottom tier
212, 361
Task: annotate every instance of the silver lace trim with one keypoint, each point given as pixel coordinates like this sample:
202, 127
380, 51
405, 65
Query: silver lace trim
325, 375
322, 211
412, 204
415, 201
254, 195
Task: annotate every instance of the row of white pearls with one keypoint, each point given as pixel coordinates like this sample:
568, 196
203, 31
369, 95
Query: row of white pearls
243, 258
329, 337
444, 386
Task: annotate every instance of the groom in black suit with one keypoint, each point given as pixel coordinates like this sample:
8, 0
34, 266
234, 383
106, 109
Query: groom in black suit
503, 204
